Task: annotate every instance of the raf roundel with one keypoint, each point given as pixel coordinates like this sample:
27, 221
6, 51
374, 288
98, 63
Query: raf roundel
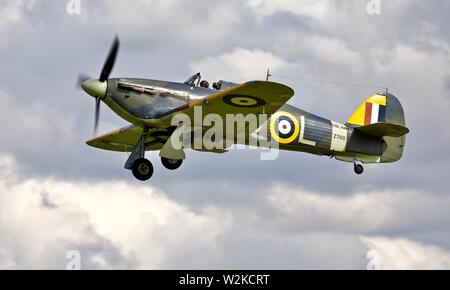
243, 101
284, 127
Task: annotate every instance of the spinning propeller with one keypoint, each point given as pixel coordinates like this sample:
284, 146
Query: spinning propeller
98, 87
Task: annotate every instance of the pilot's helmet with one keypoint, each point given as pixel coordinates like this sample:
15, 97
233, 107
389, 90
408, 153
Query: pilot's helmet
204, 84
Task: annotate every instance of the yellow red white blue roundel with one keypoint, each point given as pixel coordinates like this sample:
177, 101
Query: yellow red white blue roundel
284, 127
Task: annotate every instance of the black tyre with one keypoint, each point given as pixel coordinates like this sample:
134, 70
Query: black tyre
171, 164
142, 169
359, 169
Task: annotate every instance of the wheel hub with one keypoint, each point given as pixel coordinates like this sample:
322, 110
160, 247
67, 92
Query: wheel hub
143, 168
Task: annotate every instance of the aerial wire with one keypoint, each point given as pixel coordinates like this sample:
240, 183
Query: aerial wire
327, 82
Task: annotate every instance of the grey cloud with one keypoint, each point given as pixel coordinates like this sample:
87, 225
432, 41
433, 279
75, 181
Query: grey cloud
288, 228
45, 120
149, 56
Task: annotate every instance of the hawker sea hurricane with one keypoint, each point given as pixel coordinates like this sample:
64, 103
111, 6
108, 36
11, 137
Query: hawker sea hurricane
375, 133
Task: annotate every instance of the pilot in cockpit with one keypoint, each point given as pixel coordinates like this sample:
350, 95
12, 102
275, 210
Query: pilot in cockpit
196, 81
204, 84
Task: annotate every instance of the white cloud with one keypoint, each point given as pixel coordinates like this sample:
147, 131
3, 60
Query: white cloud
41, 125
12, 14
403, 254
197, 24
240, 64
329, 50
405, 63
136, 223
121, 225
317, 10
366, 212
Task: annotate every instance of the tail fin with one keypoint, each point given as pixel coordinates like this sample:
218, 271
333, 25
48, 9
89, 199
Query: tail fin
382, 115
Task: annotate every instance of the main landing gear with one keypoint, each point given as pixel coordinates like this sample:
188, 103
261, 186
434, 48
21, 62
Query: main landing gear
142, 168
359, 169
171, 164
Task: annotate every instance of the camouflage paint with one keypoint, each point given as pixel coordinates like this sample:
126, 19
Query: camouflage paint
144, 103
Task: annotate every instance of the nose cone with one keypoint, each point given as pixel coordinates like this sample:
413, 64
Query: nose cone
95, 87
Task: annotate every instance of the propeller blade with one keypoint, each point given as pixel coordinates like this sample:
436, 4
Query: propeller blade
97, 114
110, 60
82, 78
98, 88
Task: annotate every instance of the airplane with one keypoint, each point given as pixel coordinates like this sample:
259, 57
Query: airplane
374, 133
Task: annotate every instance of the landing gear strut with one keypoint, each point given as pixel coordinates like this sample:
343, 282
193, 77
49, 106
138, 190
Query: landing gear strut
359, 169
171, 164
142, 168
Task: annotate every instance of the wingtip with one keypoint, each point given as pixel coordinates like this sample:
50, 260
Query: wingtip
90, 142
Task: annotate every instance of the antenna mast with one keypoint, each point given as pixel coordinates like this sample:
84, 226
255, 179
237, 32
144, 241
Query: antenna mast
268, 75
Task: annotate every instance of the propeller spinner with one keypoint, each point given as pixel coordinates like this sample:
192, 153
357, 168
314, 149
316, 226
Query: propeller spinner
98, 87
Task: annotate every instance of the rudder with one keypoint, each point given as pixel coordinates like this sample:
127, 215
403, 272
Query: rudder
382, 108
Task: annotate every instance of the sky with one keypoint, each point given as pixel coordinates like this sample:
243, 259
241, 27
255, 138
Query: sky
232, 210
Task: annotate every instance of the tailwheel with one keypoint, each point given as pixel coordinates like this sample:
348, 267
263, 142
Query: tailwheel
142, 169
359, 169
171, 164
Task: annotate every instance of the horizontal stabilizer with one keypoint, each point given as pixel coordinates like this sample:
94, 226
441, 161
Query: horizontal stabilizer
384, 129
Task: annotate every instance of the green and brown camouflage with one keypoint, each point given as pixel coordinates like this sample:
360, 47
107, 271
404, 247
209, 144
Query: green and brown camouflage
375, 133
148, 103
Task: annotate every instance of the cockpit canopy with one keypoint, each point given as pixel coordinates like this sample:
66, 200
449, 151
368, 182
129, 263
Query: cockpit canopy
223, 85
196, 80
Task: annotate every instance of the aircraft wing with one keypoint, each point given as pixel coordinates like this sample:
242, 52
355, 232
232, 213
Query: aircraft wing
125, 139
256, 97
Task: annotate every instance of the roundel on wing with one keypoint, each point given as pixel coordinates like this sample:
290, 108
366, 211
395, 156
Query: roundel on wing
284, 127
243, 101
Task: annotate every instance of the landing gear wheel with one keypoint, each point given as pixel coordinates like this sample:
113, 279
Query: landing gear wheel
171, 164
359, 169
142, 169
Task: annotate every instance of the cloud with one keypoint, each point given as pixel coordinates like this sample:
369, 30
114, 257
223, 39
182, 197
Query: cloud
11, 14
113, 225
370, 212
242, 64
117, 225
329, 51
34, 120
403, 254
230, 210
318, 10
207, 24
